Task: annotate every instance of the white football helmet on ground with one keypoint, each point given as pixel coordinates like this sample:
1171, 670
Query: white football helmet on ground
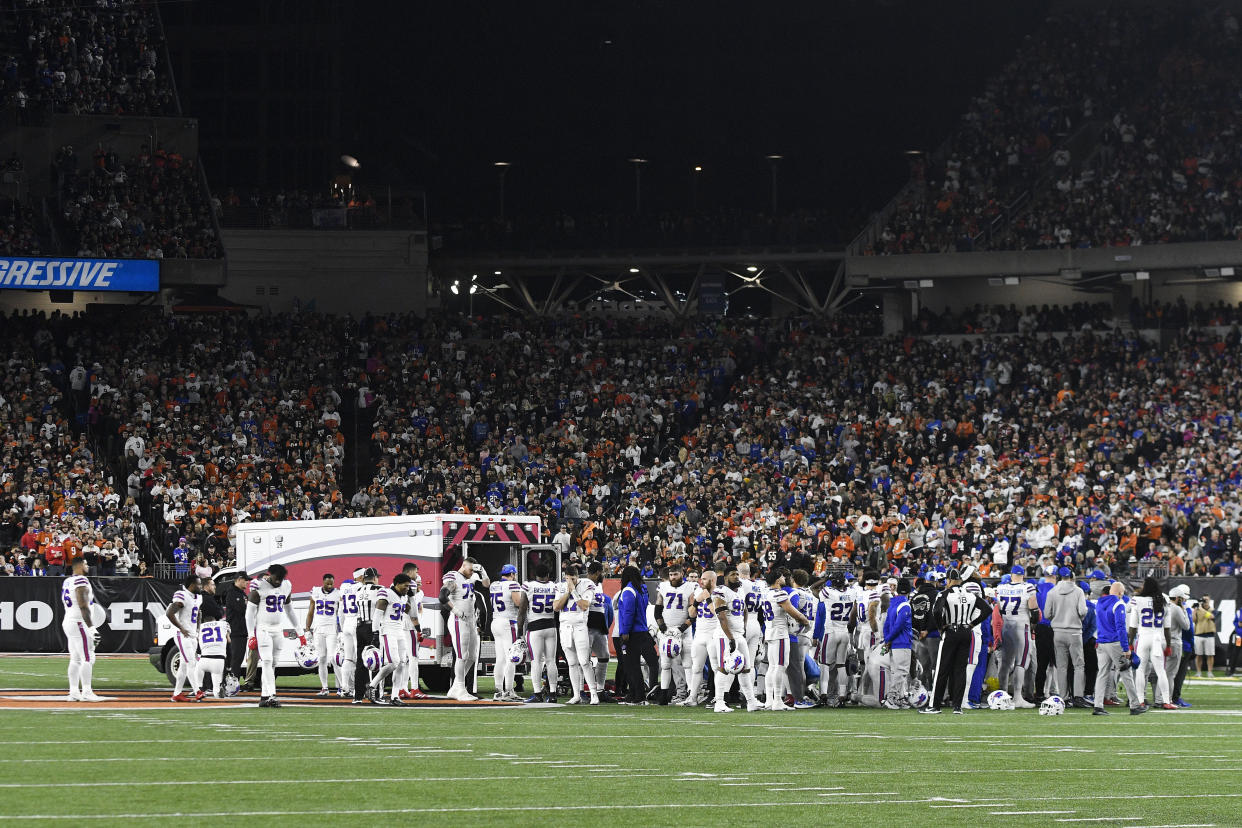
918, 697
231, 685
1052, 706
1000, 700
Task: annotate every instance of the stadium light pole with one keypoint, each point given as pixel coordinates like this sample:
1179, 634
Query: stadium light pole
774, 161
502, 167
638, 183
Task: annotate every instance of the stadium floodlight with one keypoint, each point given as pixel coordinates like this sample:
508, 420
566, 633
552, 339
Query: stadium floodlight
456, 287
752, 269
474, 289
350, 161
697, 168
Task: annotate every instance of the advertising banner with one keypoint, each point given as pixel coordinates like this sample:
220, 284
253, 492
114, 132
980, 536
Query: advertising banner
136, 275
31, 611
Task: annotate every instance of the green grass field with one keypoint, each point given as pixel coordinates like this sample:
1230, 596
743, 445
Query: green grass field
644, 766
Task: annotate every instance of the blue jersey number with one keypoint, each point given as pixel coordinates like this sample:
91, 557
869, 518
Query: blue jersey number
275, 603
541, 603
211, 634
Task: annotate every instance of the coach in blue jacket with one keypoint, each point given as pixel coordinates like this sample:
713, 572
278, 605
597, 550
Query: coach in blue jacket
635, 637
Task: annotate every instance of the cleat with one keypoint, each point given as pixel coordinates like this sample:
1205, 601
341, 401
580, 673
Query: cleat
396, 703
498, 696
595, 701
888, 705
90, 696
273, 702
535, 699
1168, 706
1182, 703
181, 697
323, 693
199, 695
957, 711
1099, 711
804, 705
265, 702
1139, 711
550, 698
466, 697
356, 701
930, 710
575, 700
421, 696
380, 700
1081, 703
722, 707
1112, 703
753, 704
74, 697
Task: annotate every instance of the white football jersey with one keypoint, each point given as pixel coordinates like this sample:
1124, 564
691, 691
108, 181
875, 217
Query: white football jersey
187, 616
736, 609
570, 613
1014, 602
806, 604
776, 622
752, 594
416, 604
706, 622
272, 602
68, 596
393, 619
540, 596
327, 606
347, 606
837, 604
213, 637
1142, 615
504, 600
460, 594
676, 601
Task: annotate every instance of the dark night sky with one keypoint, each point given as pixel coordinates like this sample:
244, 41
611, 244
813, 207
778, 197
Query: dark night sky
568, 91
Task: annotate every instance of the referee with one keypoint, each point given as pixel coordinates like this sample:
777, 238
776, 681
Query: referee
957, 612
366, 591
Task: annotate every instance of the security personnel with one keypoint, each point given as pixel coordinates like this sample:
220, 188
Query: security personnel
926, 633
367, 591
235, 612
958, 612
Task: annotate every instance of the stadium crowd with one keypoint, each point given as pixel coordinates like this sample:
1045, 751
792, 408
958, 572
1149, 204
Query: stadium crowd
151, 207
101, 58
702, 441
1166, 169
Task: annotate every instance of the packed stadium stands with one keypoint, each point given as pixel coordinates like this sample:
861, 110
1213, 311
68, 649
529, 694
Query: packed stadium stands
148, 207
706, 439
103, 58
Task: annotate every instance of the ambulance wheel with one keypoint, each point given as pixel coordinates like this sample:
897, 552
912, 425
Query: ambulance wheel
172, 661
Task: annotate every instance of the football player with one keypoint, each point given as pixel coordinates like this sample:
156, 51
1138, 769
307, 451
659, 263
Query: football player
507, 600
1019, 608
730, 611
412, 628
537, 619
832, 636
392, 608
270, 609
80, 632
213, 639
778, 613
752, 593
183, 614
599, 619
1152, 641
706, 628
574, 598
320, 628
674, 614
347, 632
457, 594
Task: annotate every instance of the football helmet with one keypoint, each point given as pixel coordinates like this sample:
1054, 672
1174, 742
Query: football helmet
1052, 706
517, 653
372, 659
98, 615
918, 697
231, 685
306, 657
735, 663
338, 658
1000, 700
671, 646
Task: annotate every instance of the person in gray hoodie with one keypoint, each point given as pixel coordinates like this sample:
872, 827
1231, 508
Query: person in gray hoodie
1066, 607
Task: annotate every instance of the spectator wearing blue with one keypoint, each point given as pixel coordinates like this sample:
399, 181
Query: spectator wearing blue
635, 637
898, 638
1113, 645
181, 559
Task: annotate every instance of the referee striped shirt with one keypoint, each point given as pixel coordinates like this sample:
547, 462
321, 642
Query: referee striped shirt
366, 602
960, 608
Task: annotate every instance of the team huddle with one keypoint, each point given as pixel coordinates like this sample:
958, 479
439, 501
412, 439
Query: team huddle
896, 644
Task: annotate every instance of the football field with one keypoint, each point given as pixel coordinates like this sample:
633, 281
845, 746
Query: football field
326, 764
